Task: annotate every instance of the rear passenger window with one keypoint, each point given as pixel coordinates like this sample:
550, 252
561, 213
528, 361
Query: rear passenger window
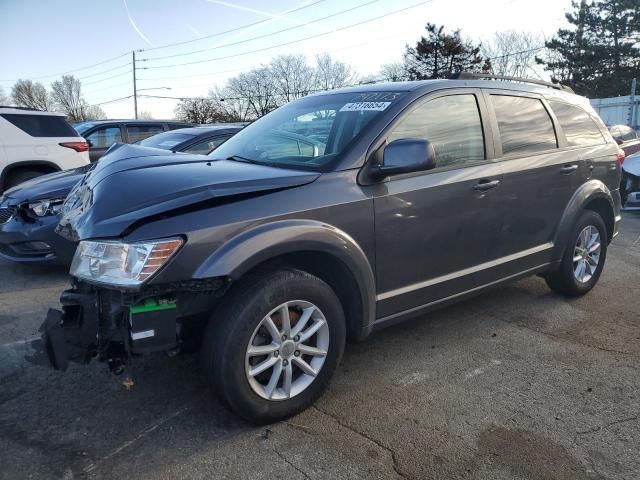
577, 125
41, 125
452, 124
525, 125
140, 132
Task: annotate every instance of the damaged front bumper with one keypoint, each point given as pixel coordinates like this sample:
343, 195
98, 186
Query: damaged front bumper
115, 325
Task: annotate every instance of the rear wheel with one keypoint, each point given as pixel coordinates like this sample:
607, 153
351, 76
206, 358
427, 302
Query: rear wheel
584, 257
273, 346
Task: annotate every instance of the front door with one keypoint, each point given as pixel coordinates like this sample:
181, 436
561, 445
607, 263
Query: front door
437, 231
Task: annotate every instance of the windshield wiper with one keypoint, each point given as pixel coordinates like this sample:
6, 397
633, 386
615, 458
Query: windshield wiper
238, 158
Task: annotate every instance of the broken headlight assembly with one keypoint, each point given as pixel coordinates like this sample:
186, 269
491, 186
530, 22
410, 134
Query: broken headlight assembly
122, 264
46, 208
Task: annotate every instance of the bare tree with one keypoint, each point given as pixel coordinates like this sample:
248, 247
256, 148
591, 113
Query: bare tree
393, 72
145, 115
67, 94
3, 98
292, 76
199, 110
94, 112
26, 93
233, 109
330, 73
257, 88
513, 53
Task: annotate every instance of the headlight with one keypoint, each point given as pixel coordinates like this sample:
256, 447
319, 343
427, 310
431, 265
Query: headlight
45, 208
127, 264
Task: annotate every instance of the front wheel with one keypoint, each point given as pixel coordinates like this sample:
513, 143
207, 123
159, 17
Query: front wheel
583, 259
273, 346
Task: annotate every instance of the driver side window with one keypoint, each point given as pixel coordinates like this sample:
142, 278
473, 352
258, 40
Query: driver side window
452, 124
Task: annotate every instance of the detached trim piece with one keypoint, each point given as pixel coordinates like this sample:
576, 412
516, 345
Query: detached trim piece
461, 273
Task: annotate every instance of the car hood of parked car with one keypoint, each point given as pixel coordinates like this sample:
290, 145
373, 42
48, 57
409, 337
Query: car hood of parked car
46, 187
116, 194
631, 164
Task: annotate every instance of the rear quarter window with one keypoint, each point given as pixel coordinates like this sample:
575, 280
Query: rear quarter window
41, 125
524, 124
578, 127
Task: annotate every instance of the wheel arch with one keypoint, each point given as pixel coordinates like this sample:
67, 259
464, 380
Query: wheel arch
593, 195
315, 247
40, 165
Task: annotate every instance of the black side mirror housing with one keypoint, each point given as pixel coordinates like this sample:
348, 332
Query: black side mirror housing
88, 143
407, 155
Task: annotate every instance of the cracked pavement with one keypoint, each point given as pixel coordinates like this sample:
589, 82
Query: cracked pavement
518, 383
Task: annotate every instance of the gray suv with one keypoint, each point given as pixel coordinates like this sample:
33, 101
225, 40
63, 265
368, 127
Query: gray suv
331, 217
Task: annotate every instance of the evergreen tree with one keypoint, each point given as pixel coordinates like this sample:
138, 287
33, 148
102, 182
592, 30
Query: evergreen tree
441, 54
599, 55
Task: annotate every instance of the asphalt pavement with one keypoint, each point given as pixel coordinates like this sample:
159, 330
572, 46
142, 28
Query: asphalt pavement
518, 383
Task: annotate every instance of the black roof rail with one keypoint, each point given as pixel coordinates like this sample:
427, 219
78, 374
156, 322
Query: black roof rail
491, 76
22, 108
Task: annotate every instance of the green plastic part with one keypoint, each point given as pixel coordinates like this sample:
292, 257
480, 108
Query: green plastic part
151, 306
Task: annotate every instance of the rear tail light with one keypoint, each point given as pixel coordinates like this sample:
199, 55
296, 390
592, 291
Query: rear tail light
77, 146
620, 156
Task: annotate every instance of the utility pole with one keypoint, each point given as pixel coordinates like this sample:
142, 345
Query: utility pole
135, 90
633, 107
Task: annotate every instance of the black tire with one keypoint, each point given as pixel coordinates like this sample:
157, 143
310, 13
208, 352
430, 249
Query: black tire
16, 178
232, 326
563, 281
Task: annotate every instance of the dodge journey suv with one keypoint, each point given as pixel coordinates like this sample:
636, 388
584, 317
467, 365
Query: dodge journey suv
274, 252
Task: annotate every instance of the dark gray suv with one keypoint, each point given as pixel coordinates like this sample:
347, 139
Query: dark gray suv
272, 254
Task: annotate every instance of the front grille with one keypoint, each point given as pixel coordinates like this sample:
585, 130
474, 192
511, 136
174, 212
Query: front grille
6, 214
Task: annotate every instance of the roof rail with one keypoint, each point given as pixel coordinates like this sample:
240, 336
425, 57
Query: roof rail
491, 76
22, 108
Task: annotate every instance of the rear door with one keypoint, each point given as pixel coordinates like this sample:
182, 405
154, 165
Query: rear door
538, 177
437, 231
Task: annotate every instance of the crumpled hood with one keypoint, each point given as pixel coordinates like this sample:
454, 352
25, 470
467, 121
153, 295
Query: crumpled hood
51, 186
116, 194
631, 164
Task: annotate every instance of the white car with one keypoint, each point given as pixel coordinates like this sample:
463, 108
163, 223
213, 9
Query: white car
630, 185
33, 142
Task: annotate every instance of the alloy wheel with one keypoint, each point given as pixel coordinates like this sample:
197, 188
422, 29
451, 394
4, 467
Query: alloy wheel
586, 254
287, 350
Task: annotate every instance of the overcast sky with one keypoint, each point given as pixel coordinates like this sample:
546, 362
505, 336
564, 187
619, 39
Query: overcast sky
40, 39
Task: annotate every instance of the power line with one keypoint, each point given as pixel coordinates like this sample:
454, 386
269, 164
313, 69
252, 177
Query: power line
108, 78
246, 40
293, 41
73, 70
510, 54
105, 71
241, 27
112, 100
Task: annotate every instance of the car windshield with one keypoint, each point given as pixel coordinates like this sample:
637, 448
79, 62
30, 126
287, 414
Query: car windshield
308, 133
82, 127
166, 140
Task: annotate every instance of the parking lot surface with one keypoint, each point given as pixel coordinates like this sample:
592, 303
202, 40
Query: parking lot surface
518, 383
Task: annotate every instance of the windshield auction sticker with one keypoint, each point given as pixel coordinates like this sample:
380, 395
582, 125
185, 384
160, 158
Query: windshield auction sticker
365, 106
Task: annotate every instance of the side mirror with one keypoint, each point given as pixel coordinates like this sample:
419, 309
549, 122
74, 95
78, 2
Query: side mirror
407, 155
618, 140
88, 143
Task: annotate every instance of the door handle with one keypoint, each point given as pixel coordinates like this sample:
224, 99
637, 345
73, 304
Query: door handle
569, 168
484, 185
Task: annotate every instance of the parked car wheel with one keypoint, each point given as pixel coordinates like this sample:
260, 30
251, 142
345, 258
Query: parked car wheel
583, 259
273, 346
16, 178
